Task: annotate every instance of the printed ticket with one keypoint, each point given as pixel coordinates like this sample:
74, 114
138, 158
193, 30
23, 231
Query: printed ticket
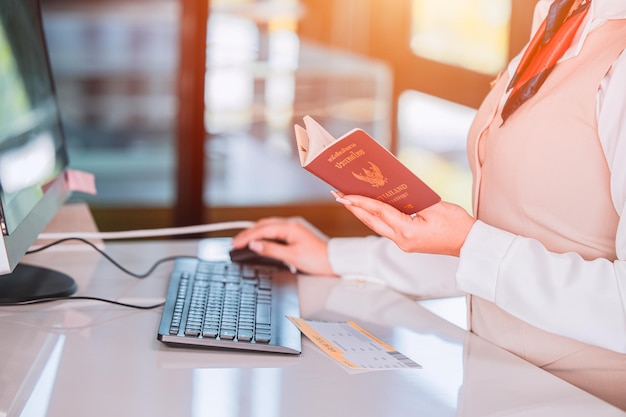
352, 346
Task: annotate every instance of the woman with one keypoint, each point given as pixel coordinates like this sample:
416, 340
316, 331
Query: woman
543, 259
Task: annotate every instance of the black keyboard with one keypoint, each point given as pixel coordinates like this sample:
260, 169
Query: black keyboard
231, 305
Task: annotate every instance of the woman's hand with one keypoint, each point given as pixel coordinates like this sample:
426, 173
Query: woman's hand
291, 240
439, 229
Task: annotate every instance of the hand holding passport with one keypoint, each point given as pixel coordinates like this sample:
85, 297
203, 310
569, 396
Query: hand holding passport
357, 164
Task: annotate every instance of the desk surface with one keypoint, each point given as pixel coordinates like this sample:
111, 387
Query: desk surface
86, 358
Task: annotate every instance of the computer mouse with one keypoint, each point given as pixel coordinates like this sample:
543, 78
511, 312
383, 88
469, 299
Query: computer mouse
248, 256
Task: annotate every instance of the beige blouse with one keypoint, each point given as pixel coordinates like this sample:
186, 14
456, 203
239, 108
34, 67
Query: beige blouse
544, 175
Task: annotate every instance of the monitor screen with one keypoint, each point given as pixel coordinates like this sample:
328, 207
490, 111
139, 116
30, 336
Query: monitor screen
33, 154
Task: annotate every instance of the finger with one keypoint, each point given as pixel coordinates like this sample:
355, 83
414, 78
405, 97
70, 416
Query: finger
374, 222
339, 197
301, 228
360, 208
378, 216
269, 228
268, 248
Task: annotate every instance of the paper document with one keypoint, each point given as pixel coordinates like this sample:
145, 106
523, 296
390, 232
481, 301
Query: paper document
352, 346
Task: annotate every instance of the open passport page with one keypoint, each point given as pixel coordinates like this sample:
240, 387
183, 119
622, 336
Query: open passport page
357, 164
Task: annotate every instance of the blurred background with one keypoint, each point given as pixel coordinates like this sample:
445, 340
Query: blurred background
184, 109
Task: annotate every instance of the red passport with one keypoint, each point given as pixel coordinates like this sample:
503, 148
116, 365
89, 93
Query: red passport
357, 164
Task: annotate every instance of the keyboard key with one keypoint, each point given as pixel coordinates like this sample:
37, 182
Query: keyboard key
245, 335
263, 313
262, 337
210, 332
227, 334
263, 328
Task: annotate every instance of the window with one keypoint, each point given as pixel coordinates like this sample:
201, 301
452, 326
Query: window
473, 34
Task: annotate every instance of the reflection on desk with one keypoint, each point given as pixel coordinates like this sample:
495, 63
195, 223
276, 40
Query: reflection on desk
83, 358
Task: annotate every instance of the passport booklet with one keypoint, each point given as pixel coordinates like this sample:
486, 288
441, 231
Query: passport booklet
356, 163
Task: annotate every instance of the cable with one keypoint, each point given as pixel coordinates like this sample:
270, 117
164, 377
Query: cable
82, 297
109, 258
129, 234
144, 233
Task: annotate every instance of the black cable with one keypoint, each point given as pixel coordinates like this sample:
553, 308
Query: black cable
82, 297
110, 259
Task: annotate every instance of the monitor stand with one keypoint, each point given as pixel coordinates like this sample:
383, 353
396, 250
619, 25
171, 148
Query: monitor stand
30, 282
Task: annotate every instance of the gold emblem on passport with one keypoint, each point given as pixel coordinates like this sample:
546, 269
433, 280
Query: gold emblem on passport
373, 176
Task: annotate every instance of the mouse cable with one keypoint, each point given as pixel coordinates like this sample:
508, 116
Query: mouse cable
109, 258
81, 297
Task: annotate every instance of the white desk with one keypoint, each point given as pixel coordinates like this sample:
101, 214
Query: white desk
92, 359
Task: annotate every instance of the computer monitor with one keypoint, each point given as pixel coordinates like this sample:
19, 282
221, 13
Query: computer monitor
33, 154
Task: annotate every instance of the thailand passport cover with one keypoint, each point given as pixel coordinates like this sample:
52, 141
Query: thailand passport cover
357, 164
